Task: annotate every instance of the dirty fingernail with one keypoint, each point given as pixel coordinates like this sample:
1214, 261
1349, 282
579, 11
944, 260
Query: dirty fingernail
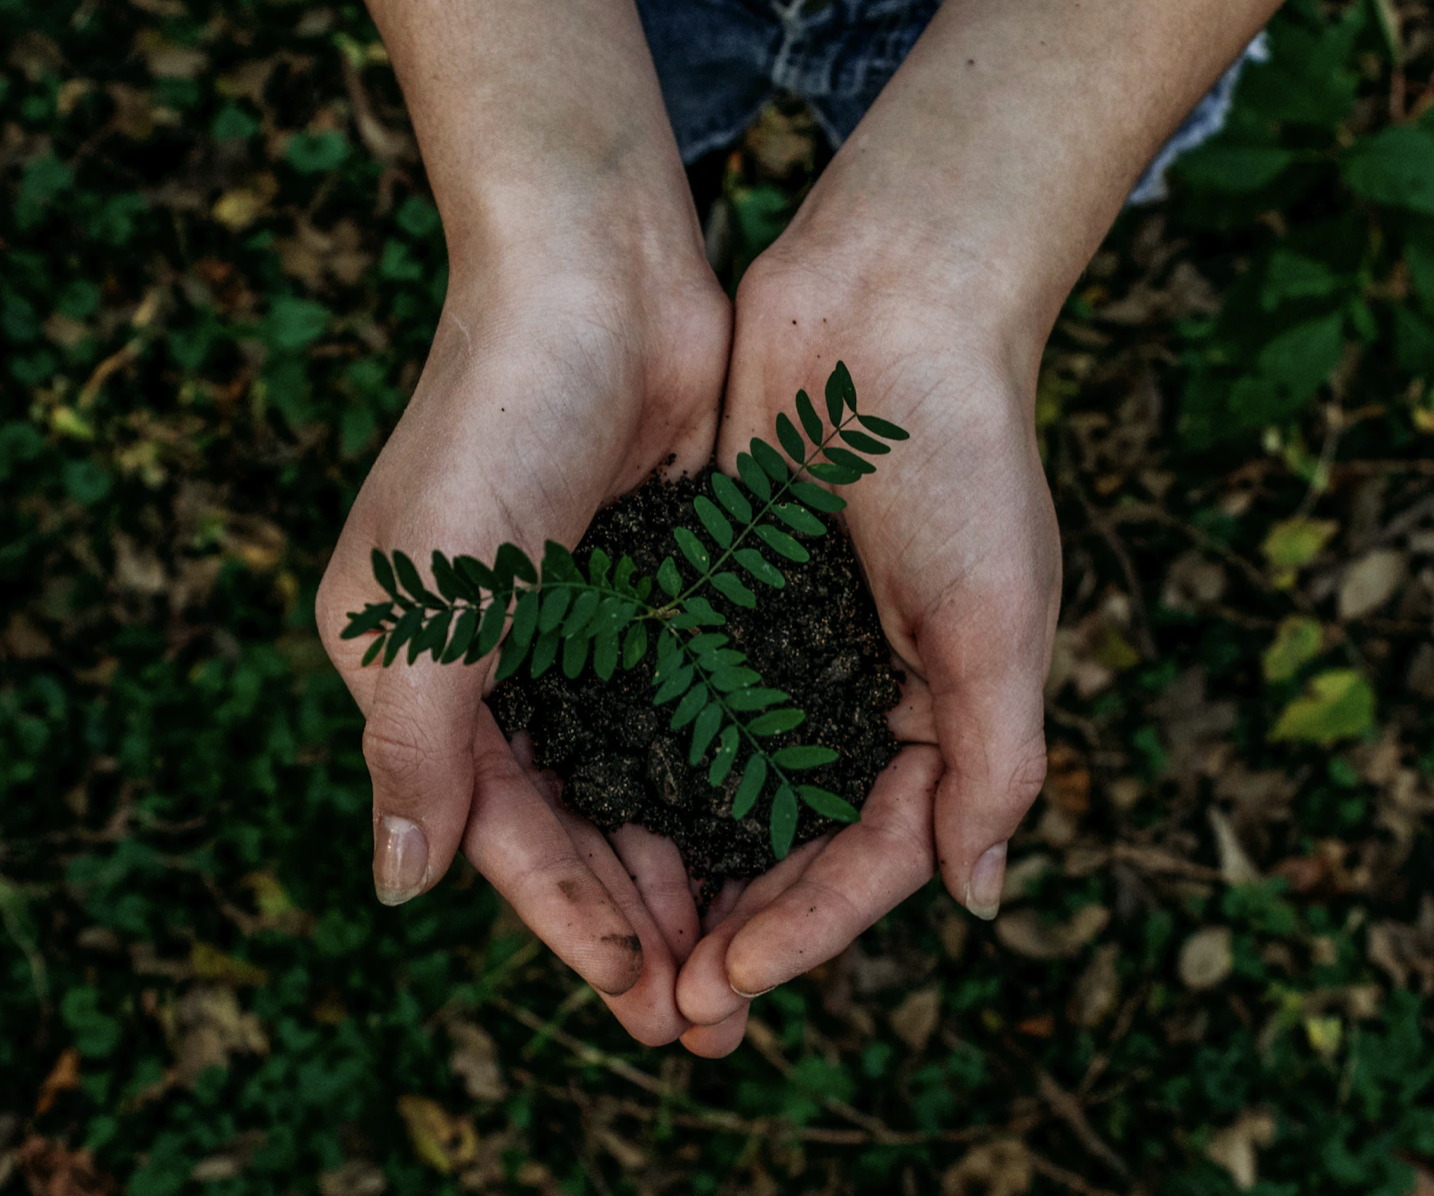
750, 996
983, 890
400, 859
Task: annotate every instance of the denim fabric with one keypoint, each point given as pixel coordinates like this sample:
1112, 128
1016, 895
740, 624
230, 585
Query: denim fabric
719, 61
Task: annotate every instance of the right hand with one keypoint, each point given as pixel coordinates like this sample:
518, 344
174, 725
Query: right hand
558, 379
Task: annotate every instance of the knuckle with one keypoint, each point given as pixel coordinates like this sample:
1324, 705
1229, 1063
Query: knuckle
1028, 775
395, 753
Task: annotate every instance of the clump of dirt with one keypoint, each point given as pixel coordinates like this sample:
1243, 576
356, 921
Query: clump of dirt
818, 638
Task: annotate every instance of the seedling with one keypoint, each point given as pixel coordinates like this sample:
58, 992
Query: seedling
555, 614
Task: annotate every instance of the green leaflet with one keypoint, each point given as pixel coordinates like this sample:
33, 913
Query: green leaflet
759, 567
753, 477
725, 756
884, 428
371, 617
798, 518
792, 439
692, 704
804, 756
754, 776
780, 542
692, 548
730, 496
811, 421
828, 804
784, 821
704, 731
463, 632
814, 496
770, 460
634, 646
713, 520
730, 586
555, 606
383, 572
774, 722
864, 443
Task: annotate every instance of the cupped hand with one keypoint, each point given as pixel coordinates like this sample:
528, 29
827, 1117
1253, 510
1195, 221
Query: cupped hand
957, 535
551, 388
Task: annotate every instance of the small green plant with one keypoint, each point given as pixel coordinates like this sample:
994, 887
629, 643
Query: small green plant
612, 616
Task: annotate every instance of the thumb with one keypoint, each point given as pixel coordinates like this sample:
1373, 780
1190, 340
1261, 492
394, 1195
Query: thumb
987, 665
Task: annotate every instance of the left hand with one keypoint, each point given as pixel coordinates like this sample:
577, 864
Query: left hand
957, 534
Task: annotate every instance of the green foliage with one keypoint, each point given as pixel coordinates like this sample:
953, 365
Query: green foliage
603, 615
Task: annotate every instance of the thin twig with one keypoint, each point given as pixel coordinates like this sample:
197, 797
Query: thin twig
1068, 1109
1069, 1179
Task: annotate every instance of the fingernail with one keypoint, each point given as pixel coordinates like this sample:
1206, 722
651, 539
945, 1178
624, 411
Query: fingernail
400, 859
983, 890
750, 996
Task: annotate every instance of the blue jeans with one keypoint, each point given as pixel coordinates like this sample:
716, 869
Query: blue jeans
720, 61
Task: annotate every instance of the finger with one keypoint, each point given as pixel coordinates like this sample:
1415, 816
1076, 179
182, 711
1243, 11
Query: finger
724, 903
648, 1010
655, 866
715, 1042
864, 873
704, 994
987, 667
515, 840
912, 719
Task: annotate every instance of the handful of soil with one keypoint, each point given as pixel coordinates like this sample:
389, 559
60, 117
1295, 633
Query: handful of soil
818, 638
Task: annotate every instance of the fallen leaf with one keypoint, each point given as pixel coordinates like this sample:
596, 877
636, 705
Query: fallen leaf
1370, 582
1325, 1035
210, 963
1000, 1168
1067, 779
207, 1026
1298, 640
1097, 991
63, 1077
475, 1061
356, 1177
1296, 542
236, 210
167, 59
916, 1018
1193, 583
1206, 958
1338, 704
51, 1168
1233, 1147
443, 1140
1235, 866
1028, 933
1021, 874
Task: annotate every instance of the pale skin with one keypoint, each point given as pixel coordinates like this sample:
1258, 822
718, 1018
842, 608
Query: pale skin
584, 340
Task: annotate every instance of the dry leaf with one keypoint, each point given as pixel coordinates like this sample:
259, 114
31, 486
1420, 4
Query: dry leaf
475, 1061
1193, 583
1206, 957
446, 1142
916, 1018
210, 963
51, 1168
207, 1026
1235, 866
1001, 1168
167, 59
353, 1178
63, 1077
236, 210
1027, 933
1233, 1148
1370, 582
1097, 992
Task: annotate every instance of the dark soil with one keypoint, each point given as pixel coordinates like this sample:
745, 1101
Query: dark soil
818, 638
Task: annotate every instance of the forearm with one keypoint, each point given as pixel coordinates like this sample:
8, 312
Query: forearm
1005, 145
538, 120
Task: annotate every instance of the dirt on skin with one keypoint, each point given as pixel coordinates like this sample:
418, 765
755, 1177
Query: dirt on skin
818, 638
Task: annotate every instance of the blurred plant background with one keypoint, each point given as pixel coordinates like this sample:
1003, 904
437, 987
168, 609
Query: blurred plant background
219, 271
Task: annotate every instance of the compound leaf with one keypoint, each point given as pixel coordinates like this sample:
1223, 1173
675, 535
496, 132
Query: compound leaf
780, 542
804, 755
784, 821
730, 586
753, 477
713, 520
811, 421
754, 776
731, 497
828, 804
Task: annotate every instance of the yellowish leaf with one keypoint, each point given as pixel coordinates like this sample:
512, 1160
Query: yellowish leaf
238, 209
1339, 704
1298, 640
210, 963
444, 1141
1296, 542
